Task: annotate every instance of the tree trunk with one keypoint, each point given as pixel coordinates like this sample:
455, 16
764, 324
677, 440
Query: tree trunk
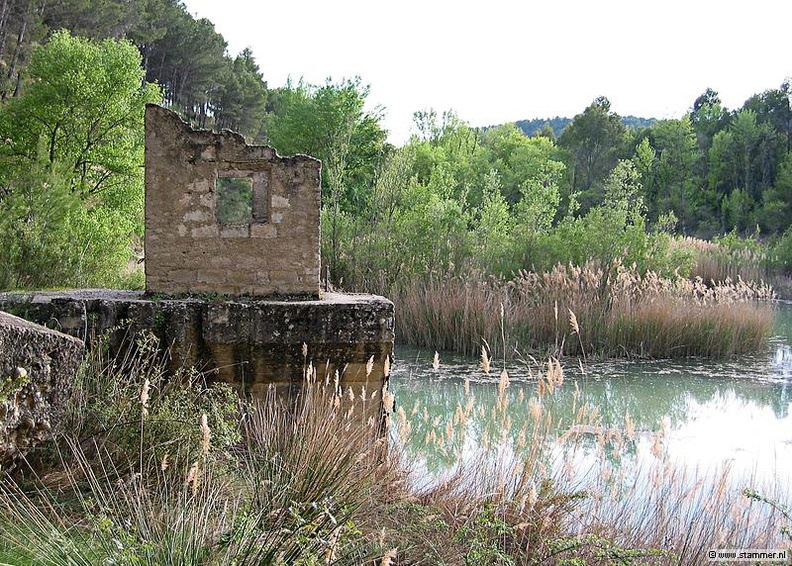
5, 9
17, 53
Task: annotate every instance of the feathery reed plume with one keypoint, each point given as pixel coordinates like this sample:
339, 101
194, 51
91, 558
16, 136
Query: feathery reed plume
386, 366
485, 361
629, 426
535, 409
467, 387
387, 399
144, 398
331, 554
503, 383
436, 361
206, 436
388, 557
558, 374
369, 366
573, 322
165, 464
642, 314
194, 477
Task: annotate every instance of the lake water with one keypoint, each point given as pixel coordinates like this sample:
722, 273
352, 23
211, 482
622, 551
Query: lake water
702, 414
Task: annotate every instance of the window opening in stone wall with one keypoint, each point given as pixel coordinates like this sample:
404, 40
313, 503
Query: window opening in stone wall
234, 200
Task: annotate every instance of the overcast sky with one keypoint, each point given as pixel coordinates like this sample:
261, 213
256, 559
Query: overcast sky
498, 61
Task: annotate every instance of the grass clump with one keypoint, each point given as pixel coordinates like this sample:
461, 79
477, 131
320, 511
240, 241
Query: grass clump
727, 258
619, 314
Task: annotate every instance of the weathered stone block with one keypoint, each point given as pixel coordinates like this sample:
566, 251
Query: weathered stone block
243, 343
37, 368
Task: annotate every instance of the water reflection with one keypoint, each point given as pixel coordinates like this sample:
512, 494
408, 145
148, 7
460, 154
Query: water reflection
735, 411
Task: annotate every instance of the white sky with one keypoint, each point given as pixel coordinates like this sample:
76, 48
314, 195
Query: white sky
499, 61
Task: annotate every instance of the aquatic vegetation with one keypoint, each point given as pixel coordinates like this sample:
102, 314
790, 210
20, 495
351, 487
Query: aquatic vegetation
629, 495
626, 314
727, 258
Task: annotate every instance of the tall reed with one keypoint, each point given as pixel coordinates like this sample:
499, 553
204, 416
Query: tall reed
632, 315
715, 262
551, 490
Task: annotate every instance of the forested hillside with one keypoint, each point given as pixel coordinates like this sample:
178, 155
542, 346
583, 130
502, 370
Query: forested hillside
598, 186
554, 126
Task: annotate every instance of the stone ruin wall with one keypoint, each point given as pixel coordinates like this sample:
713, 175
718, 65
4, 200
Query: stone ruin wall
189, 251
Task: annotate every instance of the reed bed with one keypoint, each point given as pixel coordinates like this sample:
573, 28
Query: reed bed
312, 481
586, 311
716, 263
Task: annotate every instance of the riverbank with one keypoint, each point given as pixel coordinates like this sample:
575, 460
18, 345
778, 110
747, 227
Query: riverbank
151, 472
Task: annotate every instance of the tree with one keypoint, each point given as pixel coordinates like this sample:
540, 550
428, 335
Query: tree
79, 127
669, 173
86, 101
773, 107
242, 102
20, 25
53, 238
596, 141
708, 117
744, 157
775, 215
329, 122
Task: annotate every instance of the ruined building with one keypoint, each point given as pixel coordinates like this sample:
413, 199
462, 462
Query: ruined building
224, 217
232, 271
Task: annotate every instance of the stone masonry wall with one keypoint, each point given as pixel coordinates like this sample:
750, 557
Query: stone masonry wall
37, 370
188, 251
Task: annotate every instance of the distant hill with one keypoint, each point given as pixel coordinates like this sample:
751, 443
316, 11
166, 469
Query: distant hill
529, 127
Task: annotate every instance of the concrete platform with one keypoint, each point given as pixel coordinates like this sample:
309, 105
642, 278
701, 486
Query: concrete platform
249, 343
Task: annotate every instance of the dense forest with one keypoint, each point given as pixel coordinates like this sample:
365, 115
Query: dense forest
75, 76
554, 126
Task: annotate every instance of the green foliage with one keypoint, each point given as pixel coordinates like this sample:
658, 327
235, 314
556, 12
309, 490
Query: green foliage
786, 530
10, 384
585, 549
612, 234
487, 537
87, 104
72, 195
666, 158
553, 127
106, 407
241, 105
596, 140
54, 238
329, 122
781, 252
234, 198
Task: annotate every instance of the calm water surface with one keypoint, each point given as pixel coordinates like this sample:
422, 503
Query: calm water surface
711, 413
